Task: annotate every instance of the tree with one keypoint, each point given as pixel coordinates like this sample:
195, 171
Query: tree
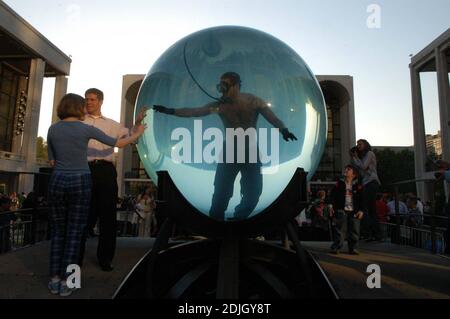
395, 167
41, 149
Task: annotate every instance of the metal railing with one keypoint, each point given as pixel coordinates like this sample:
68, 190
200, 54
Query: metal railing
25, 227
127, 223
414, 236
22, 228
401, 228
421, 237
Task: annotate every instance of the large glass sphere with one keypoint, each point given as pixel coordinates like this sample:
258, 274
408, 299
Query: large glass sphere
191, 149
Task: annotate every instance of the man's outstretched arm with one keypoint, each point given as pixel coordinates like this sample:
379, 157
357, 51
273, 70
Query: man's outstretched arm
275, 121
188, 112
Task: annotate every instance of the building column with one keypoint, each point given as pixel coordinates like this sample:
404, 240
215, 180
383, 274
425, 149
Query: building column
420, 150
348, 132
444, 101
60, 90
130, 88
345, 133
124, 159
28, 149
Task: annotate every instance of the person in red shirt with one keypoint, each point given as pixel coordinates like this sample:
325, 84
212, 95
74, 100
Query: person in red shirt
382, 209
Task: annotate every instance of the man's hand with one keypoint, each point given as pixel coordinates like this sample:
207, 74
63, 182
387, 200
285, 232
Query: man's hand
288, 135
163, 109
142, 114
52, 163
359, 215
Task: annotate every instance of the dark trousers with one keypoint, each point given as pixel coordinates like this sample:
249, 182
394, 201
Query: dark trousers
251, 188
370, 224
103, 206
347, 226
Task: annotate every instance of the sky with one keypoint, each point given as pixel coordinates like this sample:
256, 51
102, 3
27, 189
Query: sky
368, 40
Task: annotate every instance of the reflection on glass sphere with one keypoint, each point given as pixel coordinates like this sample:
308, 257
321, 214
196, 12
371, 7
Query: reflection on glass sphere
191, 148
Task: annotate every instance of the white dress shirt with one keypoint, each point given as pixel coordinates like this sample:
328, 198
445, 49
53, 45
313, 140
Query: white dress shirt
97, 150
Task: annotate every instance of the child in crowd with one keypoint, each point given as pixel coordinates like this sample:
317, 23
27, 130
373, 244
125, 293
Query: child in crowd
70, 185
145, 207
347, 207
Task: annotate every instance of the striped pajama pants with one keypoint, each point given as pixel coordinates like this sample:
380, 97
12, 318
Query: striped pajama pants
69, 200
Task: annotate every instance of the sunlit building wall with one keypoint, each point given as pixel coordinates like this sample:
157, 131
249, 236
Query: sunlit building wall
433, 58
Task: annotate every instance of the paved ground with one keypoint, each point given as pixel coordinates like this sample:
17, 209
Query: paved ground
24, 273
406, 272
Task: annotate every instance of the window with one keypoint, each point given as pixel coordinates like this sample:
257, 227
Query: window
330, 165
9, 82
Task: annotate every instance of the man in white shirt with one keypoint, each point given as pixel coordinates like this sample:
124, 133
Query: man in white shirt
104, 179
402, 209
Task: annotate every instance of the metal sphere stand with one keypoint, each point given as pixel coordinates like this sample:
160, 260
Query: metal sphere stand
229, 263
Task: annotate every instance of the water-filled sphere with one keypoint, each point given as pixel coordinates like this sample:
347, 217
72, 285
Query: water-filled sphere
189, 148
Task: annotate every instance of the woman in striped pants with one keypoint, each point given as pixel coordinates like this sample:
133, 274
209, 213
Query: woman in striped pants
70, 185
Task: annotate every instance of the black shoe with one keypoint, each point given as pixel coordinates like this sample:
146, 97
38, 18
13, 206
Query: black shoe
107, 267
353, 252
